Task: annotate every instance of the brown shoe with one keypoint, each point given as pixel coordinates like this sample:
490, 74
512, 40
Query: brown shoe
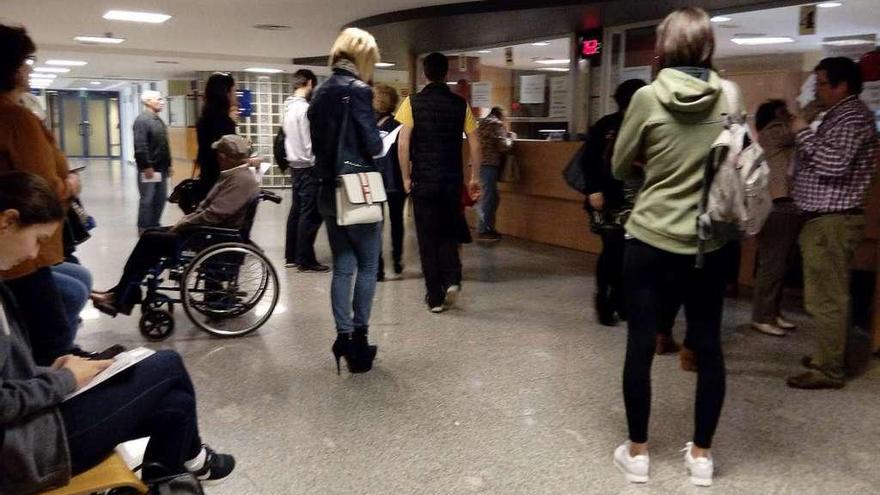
666, 345
688, 360
814, 380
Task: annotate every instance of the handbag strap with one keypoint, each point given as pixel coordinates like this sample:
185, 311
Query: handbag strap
365, 188
343, 129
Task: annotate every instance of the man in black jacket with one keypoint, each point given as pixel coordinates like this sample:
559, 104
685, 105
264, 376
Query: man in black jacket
153, 158
429, 148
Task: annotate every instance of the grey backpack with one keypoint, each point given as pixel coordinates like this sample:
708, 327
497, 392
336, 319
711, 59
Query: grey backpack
736, 200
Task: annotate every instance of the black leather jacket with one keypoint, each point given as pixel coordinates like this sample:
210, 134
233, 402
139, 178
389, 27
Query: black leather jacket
325, 117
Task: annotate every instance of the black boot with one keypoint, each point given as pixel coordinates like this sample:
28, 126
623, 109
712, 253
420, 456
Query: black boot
604, 310
357, 352
362, 345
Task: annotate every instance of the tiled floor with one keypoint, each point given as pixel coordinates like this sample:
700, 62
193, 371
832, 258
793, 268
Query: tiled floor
517, 391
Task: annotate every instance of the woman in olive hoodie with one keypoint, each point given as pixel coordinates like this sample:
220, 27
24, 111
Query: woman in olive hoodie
670, 126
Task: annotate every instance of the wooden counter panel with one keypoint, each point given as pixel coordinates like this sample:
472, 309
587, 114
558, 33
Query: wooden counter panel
541, 164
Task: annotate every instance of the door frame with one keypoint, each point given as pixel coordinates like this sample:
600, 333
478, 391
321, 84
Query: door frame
84, 97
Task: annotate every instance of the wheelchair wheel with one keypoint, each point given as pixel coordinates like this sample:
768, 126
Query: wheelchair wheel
156, 324
156, 301
230, 289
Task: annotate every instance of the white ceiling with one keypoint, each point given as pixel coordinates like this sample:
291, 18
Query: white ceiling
203, 35
853, 18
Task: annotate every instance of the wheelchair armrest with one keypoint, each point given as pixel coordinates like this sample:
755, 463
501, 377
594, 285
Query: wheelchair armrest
266, 195
205, 229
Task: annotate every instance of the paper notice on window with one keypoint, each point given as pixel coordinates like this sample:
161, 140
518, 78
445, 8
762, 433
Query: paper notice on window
388, 140
531, 89
121, 362
157, 177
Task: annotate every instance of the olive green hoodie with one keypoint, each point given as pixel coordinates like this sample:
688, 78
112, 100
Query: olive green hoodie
670, 126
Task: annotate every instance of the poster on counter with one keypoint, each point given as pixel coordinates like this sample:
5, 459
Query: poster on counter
481, 95
559, 97
642, 72
531, 89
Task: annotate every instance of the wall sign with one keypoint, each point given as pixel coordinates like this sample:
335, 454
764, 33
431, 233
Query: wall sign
508, 56
807, 20
531, 88
559, 97
481, 95
245, 103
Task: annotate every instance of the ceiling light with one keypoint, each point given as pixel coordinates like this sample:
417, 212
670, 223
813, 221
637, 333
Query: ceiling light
98, 40
541, 43
553, 69
848, 42
272, 27
83, 89
57, 70
263, 70
720, 18
383, 65
484, 51
763, 40
167, 62
66, 63
43, 76
29, 61
553, 61
829, 5
127, 15
96, 83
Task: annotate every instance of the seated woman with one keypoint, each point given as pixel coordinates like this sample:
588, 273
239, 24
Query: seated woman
226, 206
46, 439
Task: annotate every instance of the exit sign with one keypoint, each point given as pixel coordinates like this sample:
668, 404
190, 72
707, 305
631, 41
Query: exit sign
590, 46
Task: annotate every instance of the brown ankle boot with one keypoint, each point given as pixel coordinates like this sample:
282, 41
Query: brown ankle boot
665, 345
688, 359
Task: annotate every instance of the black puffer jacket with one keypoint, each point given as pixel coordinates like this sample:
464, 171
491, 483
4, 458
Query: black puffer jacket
325, 116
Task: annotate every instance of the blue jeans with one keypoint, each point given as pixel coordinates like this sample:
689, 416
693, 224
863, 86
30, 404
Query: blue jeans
354, 247
489, 198
154, 398
74, 282
45, 317
153, 197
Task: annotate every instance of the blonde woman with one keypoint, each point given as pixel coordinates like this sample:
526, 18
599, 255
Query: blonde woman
672, 123
384, 104
355, 247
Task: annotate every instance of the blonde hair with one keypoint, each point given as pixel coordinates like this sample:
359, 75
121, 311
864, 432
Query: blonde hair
685, 38
359, 47
384, 98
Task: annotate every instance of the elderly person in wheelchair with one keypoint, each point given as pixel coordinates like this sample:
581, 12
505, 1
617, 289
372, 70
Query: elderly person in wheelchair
226, 206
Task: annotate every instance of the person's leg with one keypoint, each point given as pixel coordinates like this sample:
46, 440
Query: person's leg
344, 264
46, 322
309, 218
604, 276
704, 304
488, 199
77, 271
74, 295
145, 206
617, 243
428, 233
644, 280
396, 202
774, 245
449, 242
150, 248
160, 197
366, 239
290, 246
154, 398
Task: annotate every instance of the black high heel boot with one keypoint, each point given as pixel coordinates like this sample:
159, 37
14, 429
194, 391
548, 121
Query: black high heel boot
340, 348
359, 338
353, 347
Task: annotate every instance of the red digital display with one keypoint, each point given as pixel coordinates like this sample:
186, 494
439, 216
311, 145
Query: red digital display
590, 47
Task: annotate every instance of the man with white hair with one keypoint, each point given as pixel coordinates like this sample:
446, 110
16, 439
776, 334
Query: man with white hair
153, 157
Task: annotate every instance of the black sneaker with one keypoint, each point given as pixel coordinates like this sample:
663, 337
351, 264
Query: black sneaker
317, 267
217, 466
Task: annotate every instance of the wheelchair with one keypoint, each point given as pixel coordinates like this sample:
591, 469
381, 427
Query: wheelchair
225, 283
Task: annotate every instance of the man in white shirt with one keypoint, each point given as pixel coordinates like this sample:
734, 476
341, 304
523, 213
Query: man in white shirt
304, 220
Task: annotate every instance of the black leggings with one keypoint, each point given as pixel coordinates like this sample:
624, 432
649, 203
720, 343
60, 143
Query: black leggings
609, 267
656, 283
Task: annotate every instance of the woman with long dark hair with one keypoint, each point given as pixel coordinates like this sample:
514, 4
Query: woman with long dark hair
214, 123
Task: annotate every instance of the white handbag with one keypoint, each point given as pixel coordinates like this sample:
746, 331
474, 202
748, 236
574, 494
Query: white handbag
359, 198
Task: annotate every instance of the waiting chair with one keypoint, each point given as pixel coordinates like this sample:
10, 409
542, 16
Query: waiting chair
111, 474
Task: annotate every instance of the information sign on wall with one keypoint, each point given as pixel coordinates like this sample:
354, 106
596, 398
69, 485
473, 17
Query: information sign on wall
808, 20
559, 97
531, 89
481, 95
245, 105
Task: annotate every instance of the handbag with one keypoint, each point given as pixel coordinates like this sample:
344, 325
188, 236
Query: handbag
175, 484
574, 172
77, 224
360, 191
185, 195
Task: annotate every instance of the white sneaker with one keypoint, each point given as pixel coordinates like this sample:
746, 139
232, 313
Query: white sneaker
769, 329
451, 295
700, 469
634, 469
437, 309
784, 324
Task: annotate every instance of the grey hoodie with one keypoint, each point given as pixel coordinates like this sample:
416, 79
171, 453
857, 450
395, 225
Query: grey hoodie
34, 454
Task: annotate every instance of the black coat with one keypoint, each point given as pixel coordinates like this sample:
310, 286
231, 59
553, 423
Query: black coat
325, 118
208, 130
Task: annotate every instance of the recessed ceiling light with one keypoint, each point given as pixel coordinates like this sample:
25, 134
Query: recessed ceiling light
541, 43
484, 51
167, 62
98, 40
848, 42
829, 5
272, 27
57, 70
720, 18
131, 16
43, 76
67, 63
763, 40
96, 83
263, 70
29, 61
553, 61
553, 69
383, 65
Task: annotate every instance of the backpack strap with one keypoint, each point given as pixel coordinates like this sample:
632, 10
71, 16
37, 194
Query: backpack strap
731, 94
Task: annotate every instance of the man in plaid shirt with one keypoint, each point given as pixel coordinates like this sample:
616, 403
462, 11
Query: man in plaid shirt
835, 167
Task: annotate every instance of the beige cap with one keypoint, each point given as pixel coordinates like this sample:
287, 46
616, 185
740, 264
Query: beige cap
233, 145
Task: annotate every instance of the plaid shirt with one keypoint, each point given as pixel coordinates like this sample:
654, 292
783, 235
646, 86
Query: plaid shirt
836, 163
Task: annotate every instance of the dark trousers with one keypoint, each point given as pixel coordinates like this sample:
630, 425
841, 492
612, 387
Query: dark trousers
304, 220
609, 269
655, 281
150, 248
396, 202
776, 242
154, 398
45, 318
437, 212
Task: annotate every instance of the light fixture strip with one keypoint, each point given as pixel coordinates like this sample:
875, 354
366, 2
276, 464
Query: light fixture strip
105, 40
66, 63
132, 16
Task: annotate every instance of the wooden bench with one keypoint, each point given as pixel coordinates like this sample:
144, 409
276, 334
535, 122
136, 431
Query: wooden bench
110, 474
